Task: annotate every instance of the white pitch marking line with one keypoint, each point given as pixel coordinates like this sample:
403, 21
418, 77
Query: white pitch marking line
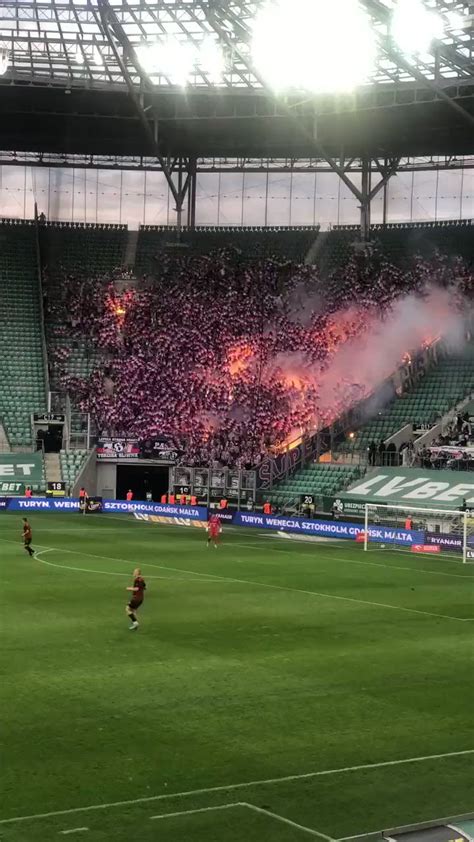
302, 556
328, 596
200, 810
74, 830
273, 587
243, 785
284, 820
110, 573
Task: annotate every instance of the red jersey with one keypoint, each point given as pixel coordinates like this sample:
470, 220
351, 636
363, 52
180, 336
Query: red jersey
27, 532
140, 585
214, 525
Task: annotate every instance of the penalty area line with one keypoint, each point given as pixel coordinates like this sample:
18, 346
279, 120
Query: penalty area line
147, 799
246, 805
284, 820
198, 810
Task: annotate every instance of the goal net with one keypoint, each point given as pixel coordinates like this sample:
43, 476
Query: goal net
434, 531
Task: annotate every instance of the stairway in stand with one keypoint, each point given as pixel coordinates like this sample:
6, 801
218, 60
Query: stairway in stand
52, 467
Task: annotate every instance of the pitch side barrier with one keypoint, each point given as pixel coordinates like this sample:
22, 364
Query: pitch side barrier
68, 504
297, 525
328, 528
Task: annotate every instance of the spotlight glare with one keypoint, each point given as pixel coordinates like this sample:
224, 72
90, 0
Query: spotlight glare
455, 20
171, 58
316, 46
211, 59
414, 28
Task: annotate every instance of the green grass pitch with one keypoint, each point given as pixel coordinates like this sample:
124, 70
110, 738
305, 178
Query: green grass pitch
263, 676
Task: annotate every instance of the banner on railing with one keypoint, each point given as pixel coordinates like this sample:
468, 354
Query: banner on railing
161, 449
166, 509
118, 448
67, 504
329, 528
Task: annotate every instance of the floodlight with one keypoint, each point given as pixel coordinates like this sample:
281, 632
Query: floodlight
171, 58
211, 59
313, 45
146, 56
4, 62
413, 27
455, 20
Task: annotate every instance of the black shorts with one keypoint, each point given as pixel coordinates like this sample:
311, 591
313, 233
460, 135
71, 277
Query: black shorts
134, 605
27, 542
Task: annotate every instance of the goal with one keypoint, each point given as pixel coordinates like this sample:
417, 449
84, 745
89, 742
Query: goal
422, 530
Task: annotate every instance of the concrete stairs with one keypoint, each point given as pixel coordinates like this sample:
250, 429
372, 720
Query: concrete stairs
52, 467
131, 249
4, 444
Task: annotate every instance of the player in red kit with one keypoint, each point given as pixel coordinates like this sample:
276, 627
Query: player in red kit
214, 529
138, 592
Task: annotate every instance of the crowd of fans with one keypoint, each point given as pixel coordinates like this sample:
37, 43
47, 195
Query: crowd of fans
453, 449
213, 352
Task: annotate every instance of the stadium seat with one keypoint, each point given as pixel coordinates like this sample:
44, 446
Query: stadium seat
22, 375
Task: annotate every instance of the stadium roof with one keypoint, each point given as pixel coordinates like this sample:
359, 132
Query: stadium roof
63, 41
73, 82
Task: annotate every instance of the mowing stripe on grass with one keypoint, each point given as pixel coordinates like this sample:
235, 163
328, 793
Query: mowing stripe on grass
274, 587
242, 785
284, 820
331, 557
317, 593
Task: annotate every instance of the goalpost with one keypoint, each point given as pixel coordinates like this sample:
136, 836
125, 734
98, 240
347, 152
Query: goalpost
443, 531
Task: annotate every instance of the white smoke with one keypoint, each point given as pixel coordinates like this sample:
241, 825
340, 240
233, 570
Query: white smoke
361, 362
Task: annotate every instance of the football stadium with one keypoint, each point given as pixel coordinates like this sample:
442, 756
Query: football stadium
237, 420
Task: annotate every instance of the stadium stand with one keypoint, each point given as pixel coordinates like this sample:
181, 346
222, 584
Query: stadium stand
71, 252
316, 479
22, 375
250, 243
71, 464
440, 390
210, 353
399, 242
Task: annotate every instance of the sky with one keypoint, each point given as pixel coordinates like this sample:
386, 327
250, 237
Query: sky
134, 198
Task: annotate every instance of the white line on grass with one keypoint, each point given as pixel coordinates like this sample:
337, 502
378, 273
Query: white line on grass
303, 556
114, 573
74, 830
209, 576
284, 820
253, 807
199, 810
242, 785
277, 587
